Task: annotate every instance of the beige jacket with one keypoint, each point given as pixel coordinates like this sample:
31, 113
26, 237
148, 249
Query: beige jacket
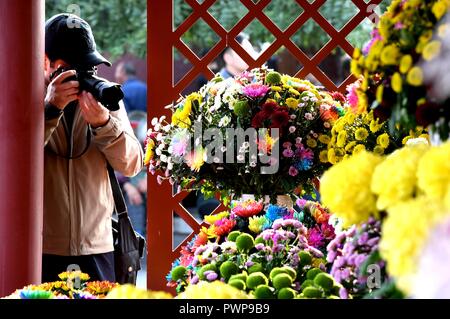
78, 200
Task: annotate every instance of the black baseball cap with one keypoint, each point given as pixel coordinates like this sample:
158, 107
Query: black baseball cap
70, 38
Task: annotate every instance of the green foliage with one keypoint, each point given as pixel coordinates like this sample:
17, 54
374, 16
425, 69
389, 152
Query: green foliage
119, 26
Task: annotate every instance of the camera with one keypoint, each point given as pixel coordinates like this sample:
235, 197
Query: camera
107, 93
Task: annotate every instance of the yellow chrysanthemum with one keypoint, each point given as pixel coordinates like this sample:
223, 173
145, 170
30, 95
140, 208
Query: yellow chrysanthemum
324, 139
196, 159
129, 291
405, 231
256, 223
395, 178
378, 150
379, 93
405, 63
397, 82
361, 134
383, 140
447, 198
431, 50
311, 142
345, 188
390, 54
349, 147
323, 156
341, 139
374, 126
212, 290
149, 151
359, 148
415, 76
211, 219
434, 171
292, 103
331, 156
439, 9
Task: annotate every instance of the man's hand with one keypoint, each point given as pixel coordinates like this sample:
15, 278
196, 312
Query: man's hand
92, 111
61, 94
133, 194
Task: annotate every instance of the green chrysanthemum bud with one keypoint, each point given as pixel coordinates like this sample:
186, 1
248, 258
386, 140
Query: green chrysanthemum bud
307, 283
312, 273
206, 268
256, 279
305, 258
178, 273
273, 78
237, 283
287, 293
290, 271
260, 240
275, 271
281, 281
242, 276
241, 108
256, 268
312, 292
263, 292
233, 235
324, 280
245, 242
227, 269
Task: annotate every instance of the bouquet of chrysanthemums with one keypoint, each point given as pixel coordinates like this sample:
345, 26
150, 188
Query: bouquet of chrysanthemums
409, 36
268, 252
258, 133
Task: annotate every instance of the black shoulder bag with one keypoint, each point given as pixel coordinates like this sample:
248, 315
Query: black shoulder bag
129, 246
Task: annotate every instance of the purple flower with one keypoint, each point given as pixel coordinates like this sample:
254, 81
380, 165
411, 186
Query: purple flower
194, 280
293, 171
288, 152
255, 90
210, 275
249, 263
259, 246
343, 294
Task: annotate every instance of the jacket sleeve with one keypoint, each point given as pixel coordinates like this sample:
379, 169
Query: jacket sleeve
52, 117
117, 142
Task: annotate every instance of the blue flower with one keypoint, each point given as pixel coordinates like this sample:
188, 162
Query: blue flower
304, 164
276, 212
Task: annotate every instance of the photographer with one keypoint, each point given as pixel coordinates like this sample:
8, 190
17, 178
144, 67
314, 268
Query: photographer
81, 137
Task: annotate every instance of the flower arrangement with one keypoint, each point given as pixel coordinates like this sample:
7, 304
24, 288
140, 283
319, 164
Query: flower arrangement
212, 290
65, 288
281, 124
393, 78
355, 132
407, 190
351, 254
266, 252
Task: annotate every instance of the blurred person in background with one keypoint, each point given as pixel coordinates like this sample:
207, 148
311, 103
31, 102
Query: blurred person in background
135, 90
233, 63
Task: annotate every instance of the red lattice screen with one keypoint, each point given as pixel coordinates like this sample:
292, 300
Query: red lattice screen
162, 203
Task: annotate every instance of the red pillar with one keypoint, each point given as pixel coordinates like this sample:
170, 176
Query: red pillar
21, 142
160, 201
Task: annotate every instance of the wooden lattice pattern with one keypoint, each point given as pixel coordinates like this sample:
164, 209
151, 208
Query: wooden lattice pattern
162, 40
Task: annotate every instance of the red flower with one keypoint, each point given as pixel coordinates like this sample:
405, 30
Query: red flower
259, 118
427, 113
279, 119
338, 96
224, 226
269, 107
248, 209
328, 112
